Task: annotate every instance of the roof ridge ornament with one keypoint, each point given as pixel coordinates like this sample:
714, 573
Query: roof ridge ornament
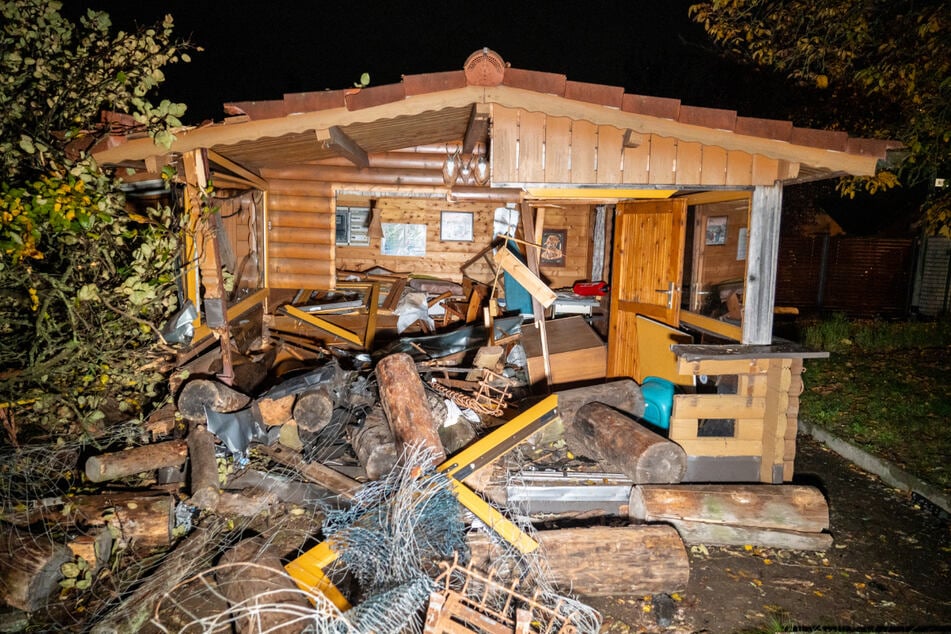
484, 68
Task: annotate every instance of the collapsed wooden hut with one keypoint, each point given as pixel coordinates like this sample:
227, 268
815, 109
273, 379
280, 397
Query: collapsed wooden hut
675, 207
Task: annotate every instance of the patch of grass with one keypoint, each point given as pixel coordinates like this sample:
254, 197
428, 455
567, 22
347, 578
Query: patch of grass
886, 388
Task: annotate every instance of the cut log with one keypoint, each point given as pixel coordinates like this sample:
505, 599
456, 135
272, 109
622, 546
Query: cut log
203, 468
780, 506
375, 445
276, 411
622, 444
621, 394
119, 464
606, 561
313, 408
725, 535
144, 523
404, 402
263, 597
30, 568
95, 548
199, 394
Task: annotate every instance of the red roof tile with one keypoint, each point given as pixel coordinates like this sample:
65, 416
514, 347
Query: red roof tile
360, 98
708, 117
600, 94
550, 83
432, 82
662, 107
766, 128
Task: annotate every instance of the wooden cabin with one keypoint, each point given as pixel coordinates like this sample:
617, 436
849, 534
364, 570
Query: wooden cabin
676, 206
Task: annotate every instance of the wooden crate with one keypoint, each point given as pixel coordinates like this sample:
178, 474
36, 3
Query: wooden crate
575, 351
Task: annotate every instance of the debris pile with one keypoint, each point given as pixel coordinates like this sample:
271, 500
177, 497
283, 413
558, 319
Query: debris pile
309, 476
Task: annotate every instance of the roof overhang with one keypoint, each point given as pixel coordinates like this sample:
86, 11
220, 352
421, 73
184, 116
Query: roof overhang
445, 116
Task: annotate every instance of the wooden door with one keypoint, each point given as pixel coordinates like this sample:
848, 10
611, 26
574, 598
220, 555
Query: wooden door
647, 268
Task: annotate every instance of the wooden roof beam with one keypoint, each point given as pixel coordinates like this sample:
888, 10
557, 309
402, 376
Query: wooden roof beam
334, 138
477, 131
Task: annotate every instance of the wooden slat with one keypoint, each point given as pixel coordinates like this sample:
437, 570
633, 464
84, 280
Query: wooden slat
504, 153
281, 217
721, 447
739, 168
689, 162
584, 156
715, 367
531, 146
636, 162
558, 150
662, 160
765, 170
713, 169
717, 406
610, 150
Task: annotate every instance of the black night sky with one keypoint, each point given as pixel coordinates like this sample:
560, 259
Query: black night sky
261, 50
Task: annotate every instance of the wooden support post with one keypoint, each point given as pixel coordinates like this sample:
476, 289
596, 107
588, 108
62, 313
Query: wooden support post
778, 379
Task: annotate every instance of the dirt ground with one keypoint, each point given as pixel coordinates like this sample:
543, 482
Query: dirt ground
889, 569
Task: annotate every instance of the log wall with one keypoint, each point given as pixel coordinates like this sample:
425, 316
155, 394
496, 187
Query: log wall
404, 187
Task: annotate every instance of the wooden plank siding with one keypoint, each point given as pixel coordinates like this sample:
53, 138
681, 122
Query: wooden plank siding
532, 147
861, 277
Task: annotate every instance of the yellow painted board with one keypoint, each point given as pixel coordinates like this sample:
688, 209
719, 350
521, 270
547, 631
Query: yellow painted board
307, 572
323, 324
496, 440
493, 519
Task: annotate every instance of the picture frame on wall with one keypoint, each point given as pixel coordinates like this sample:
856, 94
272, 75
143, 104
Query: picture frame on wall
716, 230
455, 226
553, 247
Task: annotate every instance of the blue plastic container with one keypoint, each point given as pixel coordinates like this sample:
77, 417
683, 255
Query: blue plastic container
658, 396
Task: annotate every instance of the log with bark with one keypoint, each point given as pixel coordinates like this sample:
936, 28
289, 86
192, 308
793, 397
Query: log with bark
781, 506
313, 408
375, 445
30, 567
199, 394
791, 517
403, 398
605, 561
193, 554
262, 596
622, 444
203, 468
120, 464
621, 394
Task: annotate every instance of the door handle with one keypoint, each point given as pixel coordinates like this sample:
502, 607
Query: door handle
669, 291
